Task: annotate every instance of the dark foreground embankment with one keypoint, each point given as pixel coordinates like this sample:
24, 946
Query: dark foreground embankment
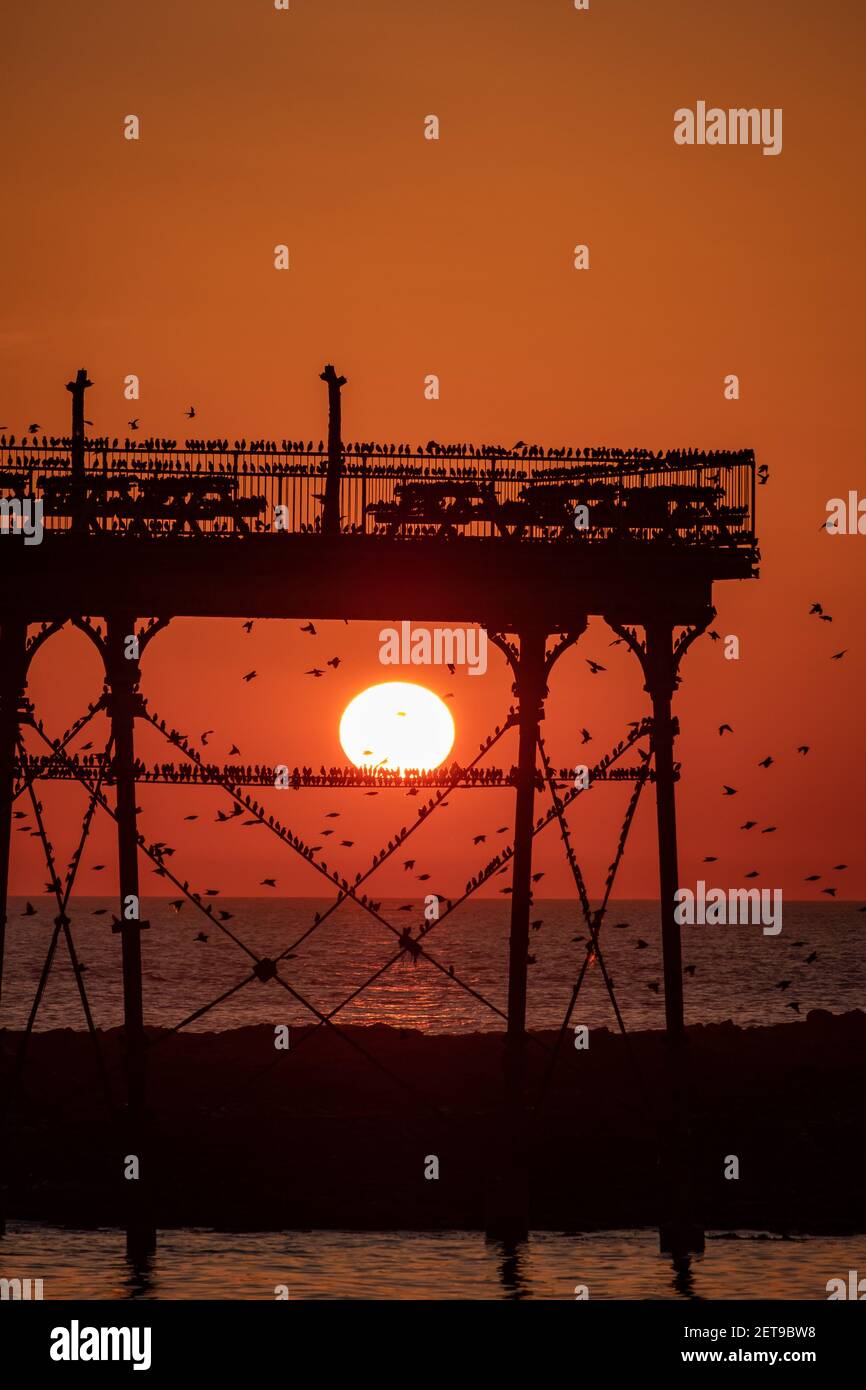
243, 1136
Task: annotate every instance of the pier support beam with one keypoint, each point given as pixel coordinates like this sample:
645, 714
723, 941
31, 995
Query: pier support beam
123, 676
508, 1204
678, 1233
13, 683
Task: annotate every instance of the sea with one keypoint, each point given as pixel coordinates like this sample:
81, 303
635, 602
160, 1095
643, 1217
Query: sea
732, 972
440, 1265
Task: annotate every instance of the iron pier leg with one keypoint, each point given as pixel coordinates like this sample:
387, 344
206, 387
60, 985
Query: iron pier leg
678, 1233
508, 1214
123, 675
13, 681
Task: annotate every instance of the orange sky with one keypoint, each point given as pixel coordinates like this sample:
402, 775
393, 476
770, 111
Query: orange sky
455, 257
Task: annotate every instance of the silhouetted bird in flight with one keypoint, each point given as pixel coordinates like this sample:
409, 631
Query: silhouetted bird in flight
816, 608
204, 736
837, 656
315, 672
310, 628
594, 666
766, 762
133, 424
250, 676
831, 892
201, 936
268, 883
190, 414
729, 791
248, 626
749, 825
803, 748
334, 661
794, 1006
725, 729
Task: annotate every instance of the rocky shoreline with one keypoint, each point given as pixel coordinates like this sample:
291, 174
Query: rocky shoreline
337, 1132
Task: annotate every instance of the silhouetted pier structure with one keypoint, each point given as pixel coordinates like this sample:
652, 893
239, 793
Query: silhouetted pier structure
527, 541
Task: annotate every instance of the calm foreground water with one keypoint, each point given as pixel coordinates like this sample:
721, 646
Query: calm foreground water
736, 968
422, 1264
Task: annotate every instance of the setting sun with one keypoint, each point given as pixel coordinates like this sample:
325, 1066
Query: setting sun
397, 725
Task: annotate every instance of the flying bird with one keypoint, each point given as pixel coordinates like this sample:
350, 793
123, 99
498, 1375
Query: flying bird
725, 729
729, 791
250, 676
594, 666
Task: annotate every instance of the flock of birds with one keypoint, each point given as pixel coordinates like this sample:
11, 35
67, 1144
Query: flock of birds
663, 459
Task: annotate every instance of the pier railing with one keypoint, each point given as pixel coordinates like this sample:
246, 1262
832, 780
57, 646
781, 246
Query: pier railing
155, 487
